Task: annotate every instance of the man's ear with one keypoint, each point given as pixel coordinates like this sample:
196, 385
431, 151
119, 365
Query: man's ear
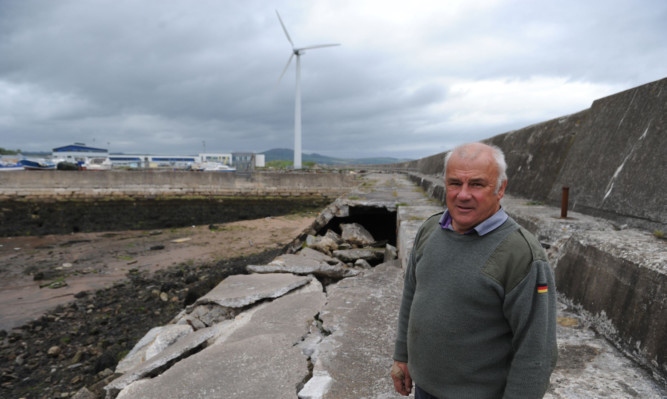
501, 191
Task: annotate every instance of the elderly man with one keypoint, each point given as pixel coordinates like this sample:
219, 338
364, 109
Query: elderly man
478, 314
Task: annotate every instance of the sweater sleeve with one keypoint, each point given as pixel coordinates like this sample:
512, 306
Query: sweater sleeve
530, 309
401, 345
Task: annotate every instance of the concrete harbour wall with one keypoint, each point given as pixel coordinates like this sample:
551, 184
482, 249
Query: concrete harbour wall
612, 156
146, 184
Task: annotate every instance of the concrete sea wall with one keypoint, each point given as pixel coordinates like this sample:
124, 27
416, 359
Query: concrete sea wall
612, 156
61, 202
146, 184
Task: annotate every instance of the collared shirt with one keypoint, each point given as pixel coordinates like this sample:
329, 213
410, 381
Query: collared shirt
487, 226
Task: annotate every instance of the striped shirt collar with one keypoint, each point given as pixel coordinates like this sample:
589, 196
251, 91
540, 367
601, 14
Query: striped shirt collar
487, 226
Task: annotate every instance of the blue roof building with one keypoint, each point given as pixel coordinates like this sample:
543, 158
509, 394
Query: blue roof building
78, 153
78, 148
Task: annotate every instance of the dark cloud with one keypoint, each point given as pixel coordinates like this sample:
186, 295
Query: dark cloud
155, 76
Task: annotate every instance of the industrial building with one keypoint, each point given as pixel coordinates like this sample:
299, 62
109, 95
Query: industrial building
79, 153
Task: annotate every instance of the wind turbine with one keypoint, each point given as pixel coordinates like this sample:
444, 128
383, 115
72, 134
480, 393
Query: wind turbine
297, 100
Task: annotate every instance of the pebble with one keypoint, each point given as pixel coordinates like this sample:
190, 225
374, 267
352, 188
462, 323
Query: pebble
54, 351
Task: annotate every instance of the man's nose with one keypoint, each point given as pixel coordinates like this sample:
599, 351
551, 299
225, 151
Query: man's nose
464, 194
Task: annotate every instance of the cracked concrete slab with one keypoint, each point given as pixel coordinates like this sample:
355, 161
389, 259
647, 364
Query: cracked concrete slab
257, 367
153, 343
257, 359
317, 255
171, 354
290, 315
302, 265
242, 290
361, 315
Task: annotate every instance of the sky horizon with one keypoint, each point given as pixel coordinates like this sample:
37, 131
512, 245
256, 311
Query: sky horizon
184, 77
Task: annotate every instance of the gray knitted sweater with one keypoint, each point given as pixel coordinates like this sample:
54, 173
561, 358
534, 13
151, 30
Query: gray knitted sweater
478, 314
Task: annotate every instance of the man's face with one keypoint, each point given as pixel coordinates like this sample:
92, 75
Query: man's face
471, 185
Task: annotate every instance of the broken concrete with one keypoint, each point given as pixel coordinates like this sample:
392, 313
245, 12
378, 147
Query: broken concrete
242, 290
371, 255
323, 244
257, 367
258, 354
153, 343
356, 234
162, 361
357, 353
304, 265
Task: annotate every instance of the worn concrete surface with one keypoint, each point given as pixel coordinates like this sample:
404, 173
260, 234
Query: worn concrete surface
345, 332
615, 277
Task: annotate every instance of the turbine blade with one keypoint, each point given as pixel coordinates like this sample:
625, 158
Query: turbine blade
285, 70
285, 29
317, 46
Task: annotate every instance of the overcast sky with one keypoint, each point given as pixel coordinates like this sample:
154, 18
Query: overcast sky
410, 79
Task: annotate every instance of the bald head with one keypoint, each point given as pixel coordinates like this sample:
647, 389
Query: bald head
473, 151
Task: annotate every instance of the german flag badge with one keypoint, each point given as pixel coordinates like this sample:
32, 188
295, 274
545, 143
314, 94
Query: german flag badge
542, 288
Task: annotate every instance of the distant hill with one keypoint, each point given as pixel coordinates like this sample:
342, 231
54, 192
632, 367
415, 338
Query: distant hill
285, 154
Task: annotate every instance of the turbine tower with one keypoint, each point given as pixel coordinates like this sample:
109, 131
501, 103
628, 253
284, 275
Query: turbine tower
297, 98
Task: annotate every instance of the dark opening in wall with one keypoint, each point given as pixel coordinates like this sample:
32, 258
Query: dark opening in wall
380, 222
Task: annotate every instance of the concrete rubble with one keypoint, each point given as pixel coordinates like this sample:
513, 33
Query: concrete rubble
308, 325
304, 265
